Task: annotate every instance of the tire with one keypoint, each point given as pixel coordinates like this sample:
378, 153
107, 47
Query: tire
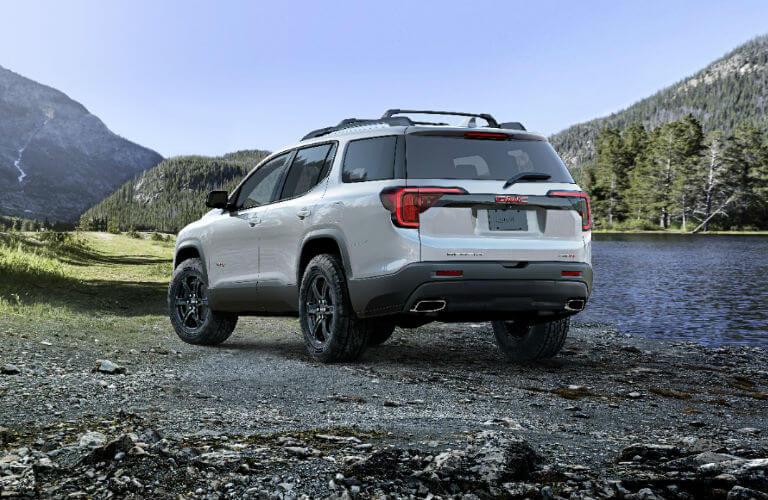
194, 322
380, 331
332, 331
530, 342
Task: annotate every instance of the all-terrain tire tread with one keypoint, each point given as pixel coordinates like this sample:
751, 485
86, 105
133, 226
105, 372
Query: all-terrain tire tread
544, 340
554, 334
352, 331
379, 331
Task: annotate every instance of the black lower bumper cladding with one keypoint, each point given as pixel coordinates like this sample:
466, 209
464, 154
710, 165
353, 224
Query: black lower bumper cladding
483, 288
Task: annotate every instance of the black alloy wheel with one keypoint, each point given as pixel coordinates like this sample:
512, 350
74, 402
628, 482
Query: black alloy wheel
191, 305
321, 310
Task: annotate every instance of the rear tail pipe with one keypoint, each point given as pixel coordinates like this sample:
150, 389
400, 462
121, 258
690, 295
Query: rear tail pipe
575, 305
428, 306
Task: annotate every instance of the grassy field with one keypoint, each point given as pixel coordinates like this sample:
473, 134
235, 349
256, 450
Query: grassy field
93, 287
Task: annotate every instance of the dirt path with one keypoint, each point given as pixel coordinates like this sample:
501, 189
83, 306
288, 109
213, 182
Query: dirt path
249, 413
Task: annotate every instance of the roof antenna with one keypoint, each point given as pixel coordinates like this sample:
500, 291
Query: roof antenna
469, 122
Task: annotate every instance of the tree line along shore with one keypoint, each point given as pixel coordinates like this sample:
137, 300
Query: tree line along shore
676, 177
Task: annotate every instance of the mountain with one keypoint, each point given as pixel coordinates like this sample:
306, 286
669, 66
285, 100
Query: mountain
56, 158
731, 90
172, 194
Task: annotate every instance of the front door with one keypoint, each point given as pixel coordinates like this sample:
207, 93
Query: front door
233, 261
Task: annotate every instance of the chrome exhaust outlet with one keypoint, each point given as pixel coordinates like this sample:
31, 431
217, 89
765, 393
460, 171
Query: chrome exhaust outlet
428, 306
575, 304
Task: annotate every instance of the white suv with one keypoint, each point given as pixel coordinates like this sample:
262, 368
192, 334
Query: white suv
373, 224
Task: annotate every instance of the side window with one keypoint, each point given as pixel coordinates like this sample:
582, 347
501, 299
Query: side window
306, 170
369, 159
260, 187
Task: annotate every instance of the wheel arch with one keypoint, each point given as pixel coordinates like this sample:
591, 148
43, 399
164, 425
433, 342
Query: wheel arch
319, 242
189, 250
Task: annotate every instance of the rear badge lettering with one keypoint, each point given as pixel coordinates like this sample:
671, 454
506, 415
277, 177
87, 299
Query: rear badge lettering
464, 254
512, 199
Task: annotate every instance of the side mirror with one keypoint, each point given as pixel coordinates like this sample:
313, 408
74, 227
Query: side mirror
217, 199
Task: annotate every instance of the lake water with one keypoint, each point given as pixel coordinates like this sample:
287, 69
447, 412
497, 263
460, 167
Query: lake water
711, 289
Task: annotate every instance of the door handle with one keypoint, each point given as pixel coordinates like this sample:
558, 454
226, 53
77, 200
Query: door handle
253, 219
304, 212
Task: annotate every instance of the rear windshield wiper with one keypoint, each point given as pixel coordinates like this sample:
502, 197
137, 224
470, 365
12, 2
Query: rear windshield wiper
527, 176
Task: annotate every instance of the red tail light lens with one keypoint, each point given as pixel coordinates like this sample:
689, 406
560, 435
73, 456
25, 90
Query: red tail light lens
570, 273
407, 203
580, 203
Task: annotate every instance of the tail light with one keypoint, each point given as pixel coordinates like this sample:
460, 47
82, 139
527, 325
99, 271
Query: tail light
580, 202
406, 204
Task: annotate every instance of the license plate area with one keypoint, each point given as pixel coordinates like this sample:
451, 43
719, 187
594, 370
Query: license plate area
509, 219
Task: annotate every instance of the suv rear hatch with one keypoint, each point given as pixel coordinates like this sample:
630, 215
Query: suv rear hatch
467, 205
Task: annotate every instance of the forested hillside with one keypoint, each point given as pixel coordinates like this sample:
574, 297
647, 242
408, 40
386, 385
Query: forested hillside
171, 195
730, 91
675, 175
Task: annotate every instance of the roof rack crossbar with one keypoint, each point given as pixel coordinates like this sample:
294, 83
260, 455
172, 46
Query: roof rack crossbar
485, 116
355, 122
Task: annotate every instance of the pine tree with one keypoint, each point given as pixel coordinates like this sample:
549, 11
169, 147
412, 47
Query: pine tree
748, 158
611, 175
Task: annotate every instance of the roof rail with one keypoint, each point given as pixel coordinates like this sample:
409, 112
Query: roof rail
355, 122
485, 116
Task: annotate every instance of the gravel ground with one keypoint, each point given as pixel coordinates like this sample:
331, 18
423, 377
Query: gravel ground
434, 412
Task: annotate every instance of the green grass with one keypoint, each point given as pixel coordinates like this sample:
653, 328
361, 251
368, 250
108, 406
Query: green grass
84, 286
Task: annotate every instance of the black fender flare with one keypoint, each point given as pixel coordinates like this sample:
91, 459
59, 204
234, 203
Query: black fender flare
186, 245
326, 233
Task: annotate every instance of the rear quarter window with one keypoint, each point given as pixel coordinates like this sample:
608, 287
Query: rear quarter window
369, 159
308, 168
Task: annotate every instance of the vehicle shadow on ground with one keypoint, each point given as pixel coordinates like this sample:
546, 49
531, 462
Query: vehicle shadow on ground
461, 358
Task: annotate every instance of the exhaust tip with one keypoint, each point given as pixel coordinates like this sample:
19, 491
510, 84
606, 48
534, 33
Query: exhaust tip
575, 304
428, 306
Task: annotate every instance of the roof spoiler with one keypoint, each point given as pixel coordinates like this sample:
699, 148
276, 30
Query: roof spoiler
512, 126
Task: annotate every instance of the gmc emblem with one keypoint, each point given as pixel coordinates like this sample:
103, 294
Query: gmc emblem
512, 199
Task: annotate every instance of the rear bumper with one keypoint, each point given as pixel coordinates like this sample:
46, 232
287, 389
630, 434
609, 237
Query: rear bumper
485, 289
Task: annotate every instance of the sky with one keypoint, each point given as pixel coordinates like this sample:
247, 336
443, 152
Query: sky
192, 77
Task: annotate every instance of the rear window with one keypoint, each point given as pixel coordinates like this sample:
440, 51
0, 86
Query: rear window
444, 157
369, 159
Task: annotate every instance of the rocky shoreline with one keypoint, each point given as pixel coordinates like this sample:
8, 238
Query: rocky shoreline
435, 413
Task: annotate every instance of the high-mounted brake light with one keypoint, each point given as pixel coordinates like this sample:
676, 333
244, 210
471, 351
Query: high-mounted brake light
486, 135
407, 203
580, 202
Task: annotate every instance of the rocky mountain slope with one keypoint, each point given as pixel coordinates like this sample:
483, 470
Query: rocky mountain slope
171, 195
729, 91
56, 158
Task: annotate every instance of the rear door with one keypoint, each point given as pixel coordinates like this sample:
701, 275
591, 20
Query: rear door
287, 220
493, 219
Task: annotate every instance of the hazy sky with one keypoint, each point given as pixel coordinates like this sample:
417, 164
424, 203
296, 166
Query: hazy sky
213, 77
